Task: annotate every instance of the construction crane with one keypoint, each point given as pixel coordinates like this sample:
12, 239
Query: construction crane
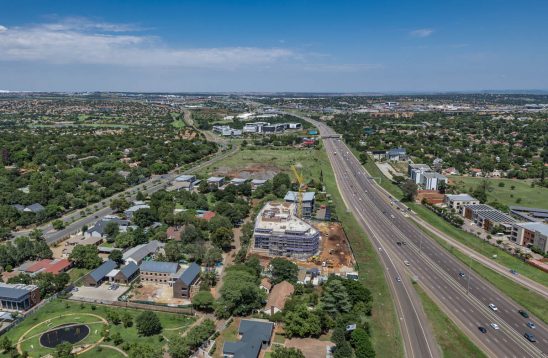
302, 188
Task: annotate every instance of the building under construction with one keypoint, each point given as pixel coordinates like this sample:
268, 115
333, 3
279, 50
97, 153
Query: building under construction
279, 232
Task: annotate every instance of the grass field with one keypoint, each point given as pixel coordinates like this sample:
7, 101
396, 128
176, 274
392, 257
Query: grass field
384, 324
522, 194
68, 312
452, 341
102, 352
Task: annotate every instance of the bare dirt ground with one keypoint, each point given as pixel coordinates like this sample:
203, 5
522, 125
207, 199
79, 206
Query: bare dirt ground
310, 347
157, 293
254, 171
335, 246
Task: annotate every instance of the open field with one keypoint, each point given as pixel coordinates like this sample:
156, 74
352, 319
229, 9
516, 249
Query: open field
452, 341
63, 312
534, 197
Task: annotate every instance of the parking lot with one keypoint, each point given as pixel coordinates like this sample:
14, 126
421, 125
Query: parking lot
100, 294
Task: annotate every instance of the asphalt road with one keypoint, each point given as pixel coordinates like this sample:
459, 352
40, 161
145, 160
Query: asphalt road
465, 299
75, 222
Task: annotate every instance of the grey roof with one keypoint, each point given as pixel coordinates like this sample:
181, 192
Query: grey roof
434, 175
100, 272
293, 196
19, 207
487, 212
215, 179
185, 178
460, 197
139, 252
35, 208
129, 269
101, 225
157, 266
13, 292
397, 151
190, 274
535, 226
530, 210
253, 333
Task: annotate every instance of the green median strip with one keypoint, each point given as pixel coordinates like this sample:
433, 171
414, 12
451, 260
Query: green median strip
452, 341
531, 301
386, 336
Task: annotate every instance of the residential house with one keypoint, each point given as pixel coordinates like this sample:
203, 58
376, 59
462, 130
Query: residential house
396, 154
32, 208
277, 297
138, 205
308, 200
174, 233
98, 230
138, 253
125, 274
238, 181
378, 154
18, 297
458, 201
254, 335
265, 285
255, 183
99, 275
49, 266
216, 181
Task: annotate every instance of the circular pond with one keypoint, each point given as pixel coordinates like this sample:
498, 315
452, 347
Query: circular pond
71, 333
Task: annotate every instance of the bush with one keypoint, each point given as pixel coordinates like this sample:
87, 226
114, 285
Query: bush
148, 324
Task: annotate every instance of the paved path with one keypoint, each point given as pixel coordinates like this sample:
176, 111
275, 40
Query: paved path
121, 351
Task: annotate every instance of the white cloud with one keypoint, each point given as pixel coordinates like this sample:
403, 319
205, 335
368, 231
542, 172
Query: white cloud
421, 32
80, 41
3, 28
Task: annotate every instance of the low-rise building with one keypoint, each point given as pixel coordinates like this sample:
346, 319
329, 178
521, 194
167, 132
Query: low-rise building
396, 154
529, 214
138, 253
279, 232
238, 181
486, 217
99, 275
531, 234
216, 181
277, 297
458, 201
158, 272
125, 274
255, 183
49, 266
416, 170
186, 281
432, 180
18, 297
98, 230
136, 207
254, 335
308, 201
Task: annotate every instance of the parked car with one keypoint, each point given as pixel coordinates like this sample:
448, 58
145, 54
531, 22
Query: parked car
495, 326
493, 307
531, 325
524, 313
482, 329
530, 337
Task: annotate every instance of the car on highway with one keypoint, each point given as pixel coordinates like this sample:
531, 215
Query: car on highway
493, 307
531, 325
482, 329
398, 279
530, 337
392, 216
495, 326
514, 272
524, 313
461, 274
406, 263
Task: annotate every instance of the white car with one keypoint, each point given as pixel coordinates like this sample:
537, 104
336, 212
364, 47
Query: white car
495, 326
493, 307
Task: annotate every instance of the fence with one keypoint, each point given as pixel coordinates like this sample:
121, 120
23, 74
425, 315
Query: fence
154, 307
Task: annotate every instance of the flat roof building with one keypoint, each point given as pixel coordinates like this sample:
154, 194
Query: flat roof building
308, 201
18, 297
487, 217
531, 234
279, 232
458, 201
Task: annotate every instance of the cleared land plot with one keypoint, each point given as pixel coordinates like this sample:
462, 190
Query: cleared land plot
98, 294
310, 347
61, 312
533, 197
156, 293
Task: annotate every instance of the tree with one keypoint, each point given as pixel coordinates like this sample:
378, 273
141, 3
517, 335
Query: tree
148, 324
85, 256
126, 318
58, 224
302, 322
362, 344
285, 352
343, 350
112, 229
117, 338
173, 251
143, 218
116, 256
140, 196
283, 270
64, 350
240, 294
335, 298
143, 350
212, 256
281, 180
119, 204
409, 189
203, 301
5, 344
222, 238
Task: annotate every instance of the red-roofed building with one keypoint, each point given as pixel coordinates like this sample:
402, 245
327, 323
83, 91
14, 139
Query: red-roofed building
52, 266
208, 215
174, 233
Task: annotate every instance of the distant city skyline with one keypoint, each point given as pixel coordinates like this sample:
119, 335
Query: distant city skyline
274, 46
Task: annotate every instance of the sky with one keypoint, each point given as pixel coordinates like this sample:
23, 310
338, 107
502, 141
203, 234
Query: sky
273, 46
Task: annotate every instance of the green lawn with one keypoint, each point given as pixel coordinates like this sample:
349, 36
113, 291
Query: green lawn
533, 197
452, 341
384, 324
481, 246
101, 352
76, 273
178, 124
60, 310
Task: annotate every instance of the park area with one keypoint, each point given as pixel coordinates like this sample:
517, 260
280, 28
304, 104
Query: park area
506, 191
83, 325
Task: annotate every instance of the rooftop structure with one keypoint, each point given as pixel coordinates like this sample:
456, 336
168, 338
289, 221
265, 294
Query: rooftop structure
140, 252
157, 266
486, 217
529, 214
308, 201
458, 201
279, 232
277, 297
18, 297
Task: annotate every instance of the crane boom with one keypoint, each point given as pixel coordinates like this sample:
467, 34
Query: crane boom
300, 180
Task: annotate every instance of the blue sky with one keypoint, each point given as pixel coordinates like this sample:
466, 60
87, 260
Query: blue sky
317, 46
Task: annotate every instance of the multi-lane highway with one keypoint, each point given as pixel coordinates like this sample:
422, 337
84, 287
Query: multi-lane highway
460, 292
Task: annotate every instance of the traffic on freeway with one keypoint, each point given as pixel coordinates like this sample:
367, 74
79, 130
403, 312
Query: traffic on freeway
465, 299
